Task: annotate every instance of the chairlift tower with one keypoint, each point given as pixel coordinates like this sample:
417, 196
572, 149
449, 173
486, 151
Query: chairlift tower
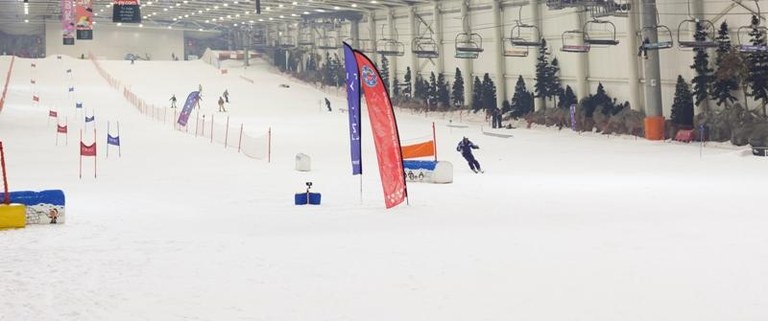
651, 69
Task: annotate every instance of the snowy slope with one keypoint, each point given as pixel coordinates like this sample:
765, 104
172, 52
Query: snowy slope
561, 227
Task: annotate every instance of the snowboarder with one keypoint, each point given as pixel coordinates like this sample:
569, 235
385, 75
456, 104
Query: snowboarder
173, 101
466, 147
226, 96
221, 104
328, 104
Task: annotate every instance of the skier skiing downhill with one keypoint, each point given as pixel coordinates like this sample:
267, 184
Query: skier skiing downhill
465, 147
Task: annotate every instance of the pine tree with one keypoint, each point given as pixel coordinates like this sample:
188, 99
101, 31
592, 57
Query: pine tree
396, 88
522, 100
505, 106
703, 79
567, 98
443, 95
488, 93
407, 83
432, 92
682, 108
554, 88
419, 92
757, 62
385, 72
457, 92
543, 80
723, 83
477, 95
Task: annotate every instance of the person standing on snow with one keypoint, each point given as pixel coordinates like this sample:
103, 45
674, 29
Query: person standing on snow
226, 96
466, 147
173, 101
328, 104
221, 104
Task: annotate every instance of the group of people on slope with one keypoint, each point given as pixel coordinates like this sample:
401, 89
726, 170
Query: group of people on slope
224, 98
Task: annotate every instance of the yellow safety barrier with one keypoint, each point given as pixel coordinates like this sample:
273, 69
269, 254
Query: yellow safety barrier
12, 215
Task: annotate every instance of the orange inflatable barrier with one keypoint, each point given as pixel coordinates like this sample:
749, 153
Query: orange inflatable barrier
654, 128
419, 150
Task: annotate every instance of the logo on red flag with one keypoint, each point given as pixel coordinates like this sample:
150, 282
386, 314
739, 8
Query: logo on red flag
35, 98
87, 150
61, 129
52, 113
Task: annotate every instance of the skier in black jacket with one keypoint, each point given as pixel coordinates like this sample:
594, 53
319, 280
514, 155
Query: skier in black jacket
466, 147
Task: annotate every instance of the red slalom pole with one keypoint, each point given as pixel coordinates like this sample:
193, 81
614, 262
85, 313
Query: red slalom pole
7, 198
81, 154
434, 140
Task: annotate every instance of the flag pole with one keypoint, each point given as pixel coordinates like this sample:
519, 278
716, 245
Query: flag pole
81, 154
66, 131
94, 147
106, 147
119, 148
434, 141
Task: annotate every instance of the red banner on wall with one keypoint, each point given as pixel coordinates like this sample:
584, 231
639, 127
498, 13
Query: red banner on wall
385, 135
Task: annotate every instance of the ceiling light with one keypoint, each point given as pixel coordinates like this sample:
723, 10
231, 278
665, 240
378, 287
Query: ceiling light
282, 16
306, 12
178, 4
374, 1
207, 21
186, 16
226, 5
216, 7
119, 24
165, 9
201, 29
354, 5
169, 27
294, 15
295, 3
261, 20
270, 19
336, 8
26, 20
141, 25
149, 3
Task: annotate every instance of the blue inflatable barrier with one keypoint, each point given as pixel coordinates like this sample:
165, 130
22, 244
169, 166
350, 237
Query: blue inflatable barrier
307, 198
41, 207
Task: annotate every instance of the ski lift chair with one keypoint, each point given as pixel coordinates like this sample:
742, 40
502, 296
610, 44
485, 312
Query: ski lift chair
708, 42
365, 45
424, 47
469, 43
391, 47
286, 42
512, 50
517, 40
663, 39
570, 46
590, 39
328, 43
305, 39
745, 46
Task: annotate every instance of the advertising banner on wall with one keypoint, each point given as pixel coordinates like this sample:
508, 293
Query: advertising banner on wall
128, 11
68, 21
84, 19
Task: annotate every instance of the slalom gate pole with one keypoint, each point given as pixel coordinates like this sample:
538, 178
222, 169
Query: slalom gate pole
226, 134
94, 146
66, 135
106, 147
6, 197
434, 140
269, 145
81, 154
119, 146
212, 119
240, 141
